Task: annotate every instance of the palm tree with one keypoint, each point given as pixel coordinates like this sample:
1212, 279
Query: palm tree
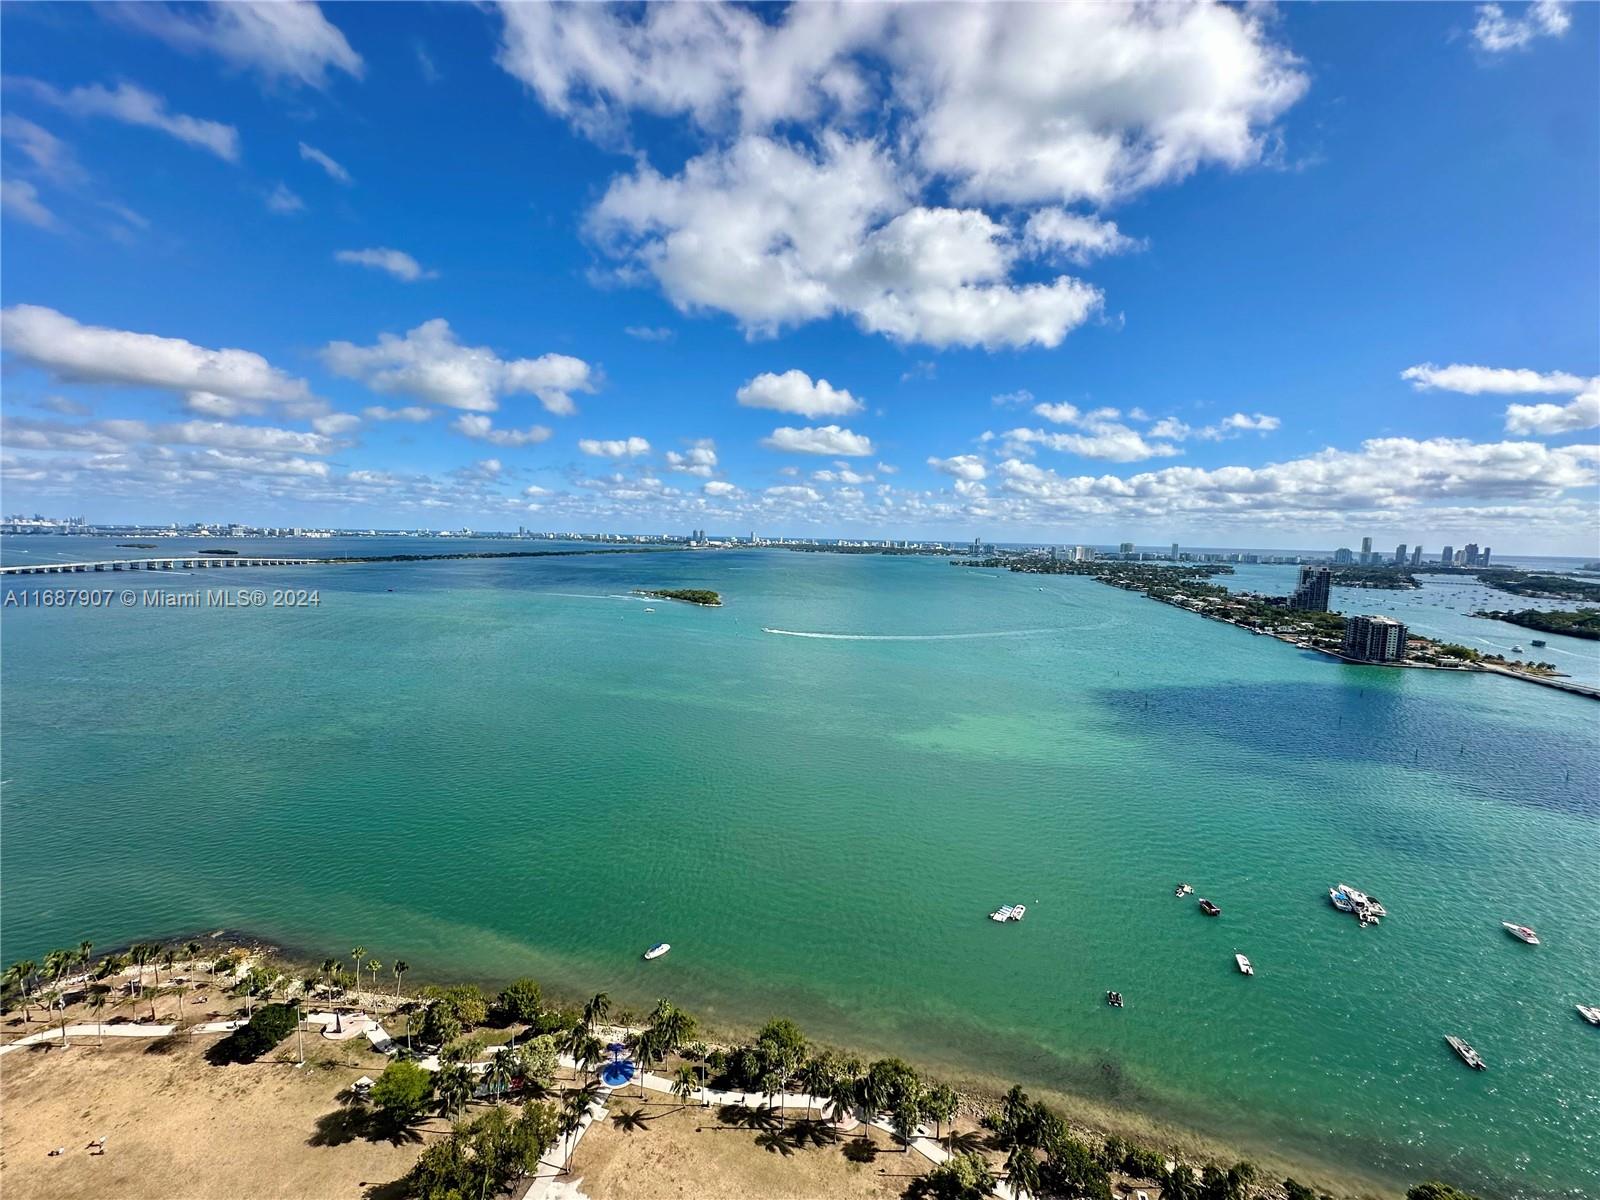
57, 963
58, 999
140, 954
401, 966
873, 1099
1022, 1170
498, 1076
595, 1010
454, 1088
97, 1005
772, 1087
570, 1121
685, 1083
941, 1103
842, 1097
815, 1077
358, 954
572, 1042
646, 1051
374, 966
905, 1116
591, 1053
168, 957
85, 949
191, 951
21, 973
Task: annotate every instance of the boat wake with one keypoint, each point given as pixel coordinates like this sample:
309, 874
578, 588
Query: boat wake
906, 637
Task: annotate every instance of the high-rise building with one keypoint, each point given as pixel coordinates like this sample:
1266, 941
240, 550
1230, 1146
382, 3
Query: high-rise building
1483, 559
1174, 551
1470, 555
1125, 548
1400, 555
1311, 592
1366, 551
1447, 556
1344, 555
1374, 639
1416, 556
977, 548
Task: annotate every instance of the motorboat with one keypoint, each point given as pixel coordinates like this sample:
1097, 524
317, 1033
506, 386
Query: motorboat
1019, 912
1361, 900
1517, 650
1521, 932
658, 950
1244, 965
1540, 643
1184, 889
1003, 913
1210, 909
1340, 901
1466, 1053
1589, 1013
1114, 999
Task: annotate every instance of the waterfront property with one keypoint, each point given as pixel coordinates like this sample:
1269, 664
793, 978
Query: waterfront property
1374, 639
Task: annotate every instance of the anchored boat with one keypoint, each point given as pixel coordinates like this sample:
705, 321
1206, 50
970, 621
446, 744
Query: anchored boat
1244, 965
1589, 1013
658, 950
1210, 909
1521, 932
1466, 1053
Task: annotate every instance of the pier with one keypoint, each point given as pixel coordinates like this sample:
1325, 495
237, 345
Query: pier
185, 562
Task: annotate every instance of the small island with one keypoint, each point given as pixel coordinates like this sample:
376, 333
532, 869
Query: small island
216, 552
136, 545
1578, 623
701, 596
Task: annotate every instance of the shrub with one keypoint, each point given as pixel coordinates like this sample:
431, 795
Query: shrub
403, 1091
521, 1000
270, 1025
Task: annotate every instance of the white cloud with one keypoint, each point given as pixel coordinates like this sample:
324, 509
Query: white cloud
283, 201
886, 469
428, 363
961, 466
21, 199
488, 466
649, 333
793, 494
111, 435
822, 439
281, 40
1505, 381
631, 447
414, 413
1014, 399
481, 428
326, 162
1013, 103
699, 459
1582, 412
1061, 414
50, 156
1106, 440
841, 473
1241, 423
777, 236
794, 392
77, 353
396, 262
1496, 32
132, 105
720, 488
1075, 236
334, 424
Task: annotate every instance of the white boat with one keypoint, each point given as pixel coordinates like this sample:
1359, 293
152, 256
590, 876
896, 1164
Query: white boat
1340, 901
1361, 900
1521, 932
1003, 913
1589, 1013
1244, 965
1184, 889
1018, 911
658, 950
1516, 650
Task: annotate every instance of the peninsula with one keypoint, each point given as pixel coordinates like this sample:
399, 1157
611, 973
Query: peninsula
1578, 623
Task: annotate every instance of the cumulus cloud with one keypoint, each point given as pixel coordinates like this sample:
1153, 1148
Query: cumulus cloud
133, 105
77, 353
335, 172
821, 439
1504, 381
480, 428
429, 364
1106, 440
381, 258
794, 392
1075, 236
280, 40
699, 459
1497, 33
413, 413
720, 488
21, 199
793, 494
961, 466
1582, 412
777, 235
631, 447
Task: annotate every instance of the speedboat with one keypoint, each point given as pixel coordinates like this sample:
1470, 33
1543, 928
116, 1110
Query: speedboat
1539, 642
1210, 909
1589, 1013
1361, 900
1466, 1053
1184, 889
1521, 932
658, 950
1516, 650
1003, 913
1340, 901
1114, 999
1018, 912
1244, 965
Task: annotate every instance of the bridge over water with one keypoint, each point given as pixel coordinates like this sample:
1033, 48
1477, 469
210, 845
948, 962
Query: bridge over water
173, 563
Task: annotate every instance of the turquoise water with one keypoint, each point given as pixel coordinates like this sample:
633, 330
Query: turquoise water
509, 766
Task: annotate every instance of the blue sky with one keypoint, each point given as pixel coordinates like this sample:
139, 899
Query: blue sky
1268, 277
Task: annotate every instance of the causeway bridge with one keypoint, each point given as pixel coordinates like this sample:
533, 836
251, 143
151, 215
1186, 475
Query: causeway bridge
173, 563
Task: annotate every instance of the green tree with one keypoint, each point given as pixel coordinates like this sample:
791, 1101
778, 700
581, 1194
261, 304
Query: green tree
401, 966
403, 1091
85, 952
964, 1177
453, 1087
1022, 1171
906, 1115
843, 1095
595, 1010
357, 954
20, 974
685, 1084
941, 1103
521, 1000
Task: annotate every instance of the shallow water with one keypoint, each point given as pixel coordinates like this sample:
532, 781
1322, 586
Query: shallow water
509, 765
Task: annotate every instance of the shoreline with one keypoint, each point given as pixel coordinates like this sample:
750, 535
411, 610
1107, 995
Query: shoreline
980, 1088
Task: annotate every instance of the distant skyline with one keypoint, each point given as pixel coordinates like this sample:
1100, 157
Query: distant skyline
1283, 278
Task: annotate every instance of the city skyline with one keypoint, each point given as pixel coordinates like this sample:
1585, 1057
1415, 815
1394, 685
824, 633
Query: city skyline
342, 270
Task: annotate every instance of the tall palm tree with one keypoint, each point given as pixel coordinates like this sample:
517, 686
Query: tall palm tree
373, 967
191, 951
647, 1051
454, 1088
572, 1041
843, 1097
1022, 1170
169, 956
57, 963
21, 973
591, 1053
772, 1087
97, 1006
358, 954
595, 1010
140, 953
57, 999
569, 1122
498, 1076
685, 1083
401, 966
85, 950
